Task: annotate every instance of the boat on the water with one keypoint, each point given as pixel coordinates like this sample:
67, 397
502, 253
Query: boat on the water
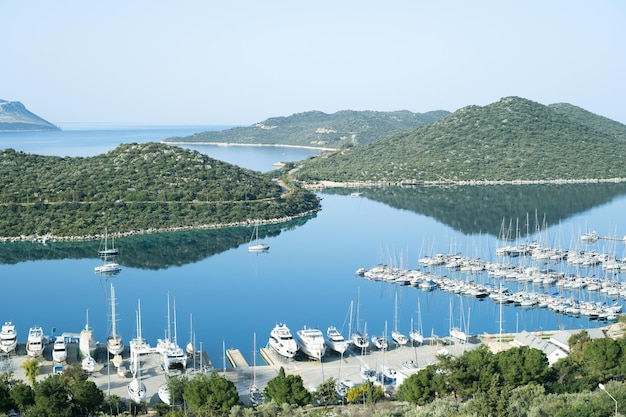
282, 341
8, 337
311, 342
59, 350
34, 344
105, 250
335, 340
255, 245
115, 344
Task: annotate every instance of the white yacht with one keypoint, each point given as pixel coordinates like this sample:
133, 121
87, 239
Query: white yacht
311, 342
8, 337
164, 393
88, 364
34, 345
380, 342
335, 340
255, 245
136, 390
59, 351
115, 344
282, 341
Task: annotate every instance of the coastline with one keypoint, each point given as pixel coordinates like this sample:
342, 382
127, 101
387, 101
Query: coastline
86, 238
227, 144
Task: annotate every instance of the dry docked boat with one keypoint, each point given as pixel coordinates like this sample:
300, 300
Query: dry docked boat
115, 344
335, 340
282, 341
34, 345
311, 342
8, 337
59, 351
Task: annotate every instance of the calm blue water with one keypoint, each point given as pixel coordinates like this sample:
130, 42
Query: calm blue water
306, 279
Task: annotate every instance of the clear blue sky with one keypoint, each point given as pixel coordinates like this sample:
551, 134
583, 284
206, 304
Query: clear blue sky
240, 62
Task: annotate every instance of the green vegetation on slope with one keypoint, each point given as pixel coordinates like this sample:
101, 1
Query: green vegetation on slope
513, 139
136, 187
318, 129
599, 123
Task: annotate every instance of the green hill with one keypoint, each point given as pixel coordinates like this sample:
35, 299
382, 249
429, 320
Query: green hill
510, 140
318, 129
599, 123
135, 187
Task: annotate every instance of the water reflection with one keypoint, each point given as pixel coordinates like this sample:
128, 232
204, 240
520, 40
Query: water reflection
482, 209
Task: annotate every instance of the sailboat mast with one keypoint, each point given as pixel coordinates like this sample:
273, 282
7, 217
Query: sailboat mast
113, 317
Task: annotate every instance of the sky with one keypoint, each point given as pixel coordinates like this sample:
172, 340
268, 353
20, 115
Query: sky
203, 62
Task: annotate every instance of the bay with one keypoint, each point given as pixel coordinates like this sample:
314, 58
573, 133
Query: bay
224, 294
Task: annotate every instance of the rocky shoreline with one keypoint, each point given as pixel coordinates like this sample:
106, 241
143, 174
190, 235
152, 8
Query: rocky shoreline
86, 238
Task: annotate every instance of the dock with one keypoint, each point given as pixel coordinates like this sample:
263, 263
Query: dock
236, 359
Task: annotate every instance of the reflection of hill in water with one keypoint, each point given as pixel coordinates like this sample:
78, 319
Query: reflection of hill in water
482, 209
154, 251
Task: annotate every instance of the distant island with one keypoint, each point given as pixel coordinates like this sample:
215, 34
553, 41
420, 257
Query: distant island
315, 129
14, 117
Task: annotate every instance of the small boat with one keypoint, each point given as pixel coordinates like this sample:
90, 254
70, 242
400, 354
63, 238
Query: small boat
164, 393
336, 341
367, 374
59, 351
136, 390
34, 344
282, 341
311, 342
8, 337
255, 245
88, 364
380, 342
255, 394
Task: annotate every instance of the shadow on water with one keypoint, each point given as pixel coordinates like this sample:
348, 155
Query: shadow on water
482, 209
150, 251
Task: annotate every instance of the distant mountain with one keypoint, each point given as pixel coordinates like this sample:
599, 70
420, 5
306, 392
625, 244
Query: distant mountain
318, 129
512, 139
15, 117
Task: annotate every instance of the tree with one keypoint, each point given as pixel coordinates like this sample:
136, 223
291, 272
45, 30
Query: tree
86, 395
32, 368
423, 386
53, 397
22, 396
601, 358
326, 392
287, 389
206, 395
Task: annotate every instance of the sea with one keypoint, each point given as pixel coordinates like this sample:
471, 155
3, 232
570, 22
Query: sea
221, 296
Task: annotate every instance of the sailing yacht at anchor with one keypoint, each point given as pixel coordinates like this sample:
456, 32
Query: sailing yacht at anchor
255, 245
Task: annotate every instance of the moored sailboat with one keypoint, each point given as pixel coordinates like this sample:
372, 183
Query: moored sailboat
115, 344
254, 245
396, 335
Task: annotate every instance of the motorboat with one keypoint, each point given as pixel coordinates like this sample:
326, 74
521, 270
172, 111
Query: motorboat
115, 344
34, 344
8, 337
359, 340
59, 351
311, 342
255, 245
282, 341
335, 340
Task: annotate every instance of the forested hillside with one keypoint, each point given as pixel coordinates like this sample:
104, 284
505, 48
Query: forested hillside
513, 139
321, 130
136, 187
